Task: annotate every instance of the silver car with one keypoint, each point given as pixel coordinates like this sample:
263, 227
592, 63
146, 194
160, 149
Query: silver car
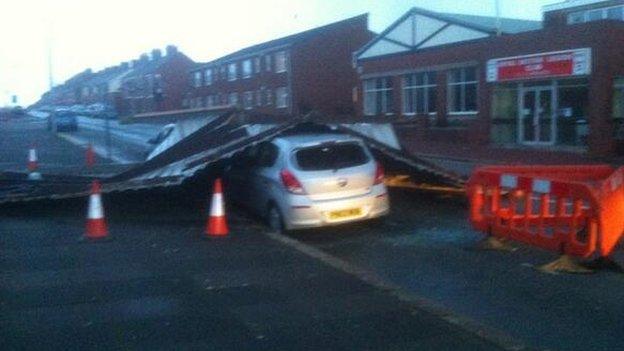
307, 181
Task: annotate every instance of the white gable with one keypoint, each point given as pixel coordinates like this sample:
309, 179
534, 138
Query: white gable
383, 47
417, 31
453, 34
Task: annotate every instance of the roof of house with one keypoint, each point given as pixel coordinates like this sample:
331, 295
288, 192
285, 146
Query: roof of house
284, 41
420, 28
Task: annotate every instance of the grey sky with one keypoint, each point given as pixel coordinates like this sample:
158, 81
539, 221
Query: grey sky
95, 34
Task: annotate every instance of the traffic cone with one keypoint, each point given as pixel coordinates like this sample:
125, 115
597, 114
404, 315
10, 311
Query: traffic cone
217, 225
96, 224
33, 164
90, 156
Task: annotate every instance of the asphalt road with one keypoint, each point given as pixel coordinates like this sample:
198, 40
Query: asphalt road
158, 286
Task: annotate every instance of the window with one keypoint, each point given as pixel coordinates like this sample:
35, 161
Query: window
232, 71
378, 96
576, 17
618, 108
208, 76
267, 63
210, 101
419, 93
257, 65
331, 156
281, 97
280, 62
258, 97
222, 73
247, 69
594, 15
248, 100
269, 97
616, 13
233, 99
462, 90
197, 79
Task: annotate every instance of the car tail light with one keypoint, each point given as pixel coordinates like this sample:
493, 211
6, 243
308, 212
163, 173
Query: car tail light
379, 174
291, 182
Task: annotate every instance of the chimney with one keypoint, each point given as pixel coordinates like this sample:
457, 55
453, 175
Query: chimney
143, 58
124, 65
156, 54
171, 50
133, 63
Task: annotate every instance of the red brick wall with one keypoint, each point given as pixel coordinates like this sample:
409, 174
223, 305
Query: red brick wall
174, 74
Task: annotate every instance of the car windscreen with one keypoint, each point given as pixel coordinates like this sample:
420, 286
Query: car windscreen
331, 156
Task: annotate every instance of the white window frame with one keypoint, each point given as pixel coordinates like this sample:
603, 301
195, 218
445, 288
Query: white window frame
208, 76
463, 83
281, 97
369, 91
259, 97
257, 64
197, 79
281, 62
232, 72
247, 68
425, 87
210, 101
248, 100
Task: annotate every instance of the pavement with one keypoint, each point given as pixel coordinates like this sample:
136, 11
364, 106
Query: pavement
158, 285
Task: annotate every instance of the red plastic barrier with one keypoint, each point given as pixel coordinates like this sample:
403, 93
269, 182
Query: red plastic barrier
578, 210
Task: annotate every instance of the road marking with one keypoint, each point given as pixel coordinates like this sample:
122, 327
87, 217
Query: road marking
494, 336
100, 151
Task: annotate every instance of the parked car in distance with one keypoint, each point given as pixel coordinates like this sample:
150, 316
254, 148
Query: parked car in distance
307, 181
62, 122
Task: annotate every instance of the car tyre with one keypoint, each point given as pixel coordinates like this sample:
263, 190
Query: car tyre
275, 220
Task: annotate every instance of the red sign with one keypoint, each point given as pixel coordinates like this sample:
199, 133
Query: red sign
552, 64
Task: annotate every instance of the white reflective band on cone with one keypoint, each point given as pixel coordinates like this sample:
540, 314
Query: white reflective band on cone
95, 207
216, 207
32, 155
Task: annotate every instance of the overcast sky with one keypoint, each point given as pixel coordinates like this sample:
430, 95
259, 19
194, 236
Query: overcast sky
96, 34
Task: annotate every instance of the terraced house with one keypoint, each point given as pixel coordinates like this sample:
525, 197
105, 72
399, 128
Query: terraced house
487, 88
311, 70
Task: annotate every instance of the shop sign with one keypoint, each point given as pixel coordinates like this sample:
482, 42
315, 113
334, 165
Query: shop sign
550, 64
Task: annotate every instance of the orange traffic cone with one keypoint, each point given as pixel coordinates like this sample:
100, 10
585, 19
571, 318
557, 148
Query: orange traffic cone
217, 225
96, 224
90, 156
33, 164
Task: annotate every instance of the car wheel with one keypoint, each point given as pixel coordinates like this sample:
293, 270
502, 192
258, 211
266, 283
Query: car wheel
274, 220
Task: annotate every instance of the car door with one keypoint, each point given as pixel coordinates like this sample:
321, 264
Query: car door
263, 178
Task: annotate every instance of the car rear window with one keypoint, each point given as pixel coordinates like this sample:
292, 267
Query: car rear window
331, 156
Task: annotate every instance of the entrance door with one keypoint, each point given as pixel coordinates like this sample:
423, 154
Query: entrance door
537, 123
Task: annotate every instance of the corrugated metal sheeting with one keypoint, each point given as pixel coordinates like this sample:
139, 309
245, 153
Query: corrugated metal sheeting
223, 137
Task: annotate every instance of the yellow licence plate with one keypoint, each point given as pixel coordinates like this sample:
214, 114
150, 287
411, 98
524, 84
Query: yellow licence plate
353, 212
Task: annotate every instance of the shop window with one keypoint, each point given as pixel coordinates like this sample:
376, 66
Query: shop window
573, 101
462, 90
504, 120
378, 96
281, 97
419, 93
618, 108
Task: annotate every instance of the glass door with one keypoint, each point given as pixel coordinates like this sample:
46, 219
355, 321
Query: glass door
537, 123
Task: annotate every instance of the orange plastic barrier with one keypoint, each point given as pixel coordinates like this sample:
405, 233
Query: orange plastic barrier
577, 210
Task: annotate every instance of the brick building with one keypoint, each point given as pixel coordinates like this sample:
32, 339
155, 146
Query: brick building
311, 70
510, 90
156, 82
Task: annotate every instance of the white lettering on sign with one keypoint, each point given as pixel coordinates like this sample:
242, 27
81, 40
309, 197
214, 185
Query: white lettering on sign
509, 181
541, 186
